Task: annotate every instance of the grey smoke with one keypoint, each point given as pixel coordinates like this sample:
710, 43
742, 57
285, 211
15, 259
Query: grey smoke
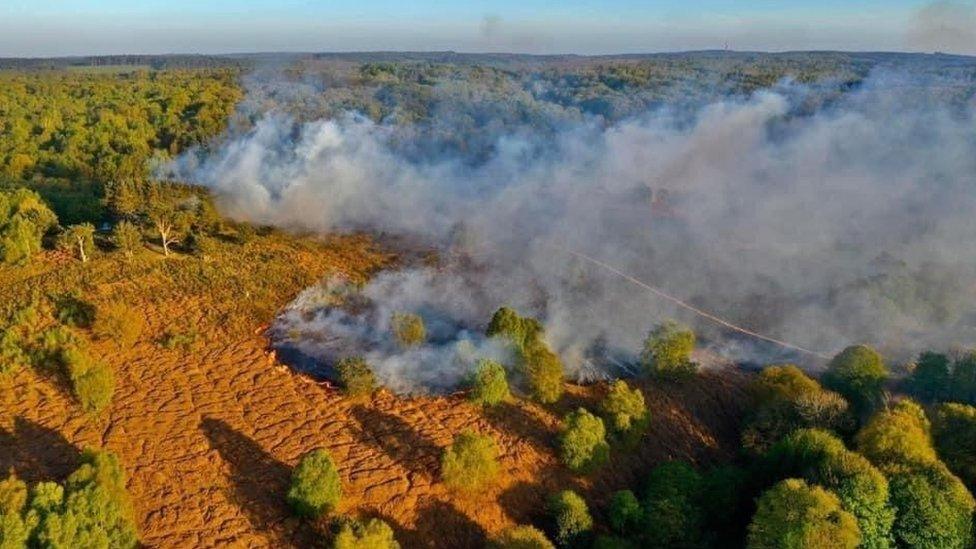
945, 26
852, 224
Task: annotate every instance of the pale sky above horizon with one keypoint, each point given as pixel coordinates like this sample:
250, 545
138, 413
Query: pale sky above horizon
29, 28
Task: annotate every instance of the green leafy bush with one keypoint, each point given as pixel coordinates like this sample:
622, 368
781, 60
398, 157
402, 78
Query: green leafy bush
954, 431
626, 513
315, 485
583, 445
624, 409
821, 458
858, 373
571, 518
521, 537
667, 351
542, 368
120, 323
489, 385
127, 238
470, 463
356, 377
24, 218
12, 355
673, 515
372, 534
408, 329
93, 382
795, 515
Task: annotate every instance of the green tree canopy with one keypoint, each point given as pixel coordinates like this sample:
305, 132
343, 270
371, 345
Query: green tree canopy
858, 373
796, 515
315, 485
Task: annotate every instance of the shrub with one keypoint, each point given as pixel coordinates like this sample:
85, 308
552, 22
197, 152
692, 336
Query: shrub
667, 351
583, 444
897, 436
787, 400
315, 485
185, 341
73, 311
356, 377
624, 409
408, 329
24, 218
92, 382
96, 511
954, 431
821, 458
521, 537
470, 463
519, 331
127, 238
793, 514
373, 534
672, 514
119, 323
625, 512
571, 517
12, 355
488, 385
544, 371
934, 510
858, 373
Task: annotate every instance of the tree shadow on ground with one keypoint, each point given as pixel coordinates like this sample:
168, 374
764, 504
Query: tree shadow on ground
36, 452
513, 419
398, 440
524, 503
440, 525
260, 483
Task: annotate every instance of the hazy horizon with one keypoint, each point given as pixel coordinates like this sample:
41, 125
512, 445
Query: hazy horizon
585, 27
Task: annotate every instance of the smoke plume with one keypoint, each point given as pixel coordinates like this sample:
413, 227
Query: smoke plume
853, 223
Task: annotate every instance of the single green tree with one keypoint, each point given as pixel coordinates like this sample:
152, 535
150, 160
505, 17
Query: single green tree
489, 386
583, 444
796, 515
624, 409
127, 238
470, 463
81, 239
521, 537
571, 518
954, 432
408, 329
315, 485
372, 534
858, 373
667, 351
626, 512
356, 377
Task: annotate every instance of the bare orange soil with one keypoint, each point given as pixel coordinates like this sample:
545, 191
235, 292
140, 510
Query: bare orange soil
209, 436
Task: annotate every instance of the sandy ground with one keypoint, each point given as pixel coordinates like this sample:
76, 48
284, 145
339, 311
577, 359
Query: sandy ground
209, 437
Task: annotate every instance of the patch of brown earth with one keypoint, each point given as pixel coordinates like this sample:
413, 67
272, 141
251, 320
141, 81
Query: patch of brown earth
209, 437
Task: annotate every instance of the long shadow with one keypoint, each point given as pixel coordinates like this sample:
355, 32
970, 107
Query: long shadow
260, 482
524, 503
511, 418
440, 526
36, 452
398, 440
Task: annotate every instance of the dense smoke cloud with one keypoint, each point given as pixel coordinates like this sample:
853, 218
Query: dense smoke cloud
852, 224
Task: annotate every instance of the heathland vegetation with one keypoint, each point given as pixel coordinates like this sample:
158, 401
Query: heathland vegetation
868, 454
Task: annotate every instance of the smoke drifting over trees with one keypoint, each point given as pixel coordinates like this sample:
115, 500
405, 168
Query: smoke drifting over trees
824, 214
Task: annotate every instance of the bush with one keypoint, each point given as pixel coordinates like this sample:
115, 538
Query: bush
12, 355
488, 385
583, 444
119, 323
954, 430
92, 382
24, 219
470, 463
571, 517
793, 514
787, 400
624, 409
73, 311
184, 341
821, 458
672, 512
519, 331
373, 534
95, 511
667, 351
625, 512
408, 329
544, 371
315, 485
897, 436
858, 373
521, 537
127, 238
356, 377
934, 510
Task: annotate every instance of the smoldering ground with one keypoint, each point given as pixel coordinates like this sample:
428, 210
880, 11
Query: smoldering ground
853, 223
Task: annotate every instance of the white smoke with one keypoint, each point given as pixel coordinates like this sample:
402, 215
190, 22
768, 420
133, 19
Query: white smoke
854, 224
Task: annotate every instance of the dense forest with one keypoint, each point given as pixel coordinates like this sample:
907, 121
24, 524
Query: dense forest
95, 233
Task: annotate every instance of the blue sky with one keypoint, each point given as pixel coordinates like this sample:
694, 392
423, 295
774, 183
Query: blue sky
66, 27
